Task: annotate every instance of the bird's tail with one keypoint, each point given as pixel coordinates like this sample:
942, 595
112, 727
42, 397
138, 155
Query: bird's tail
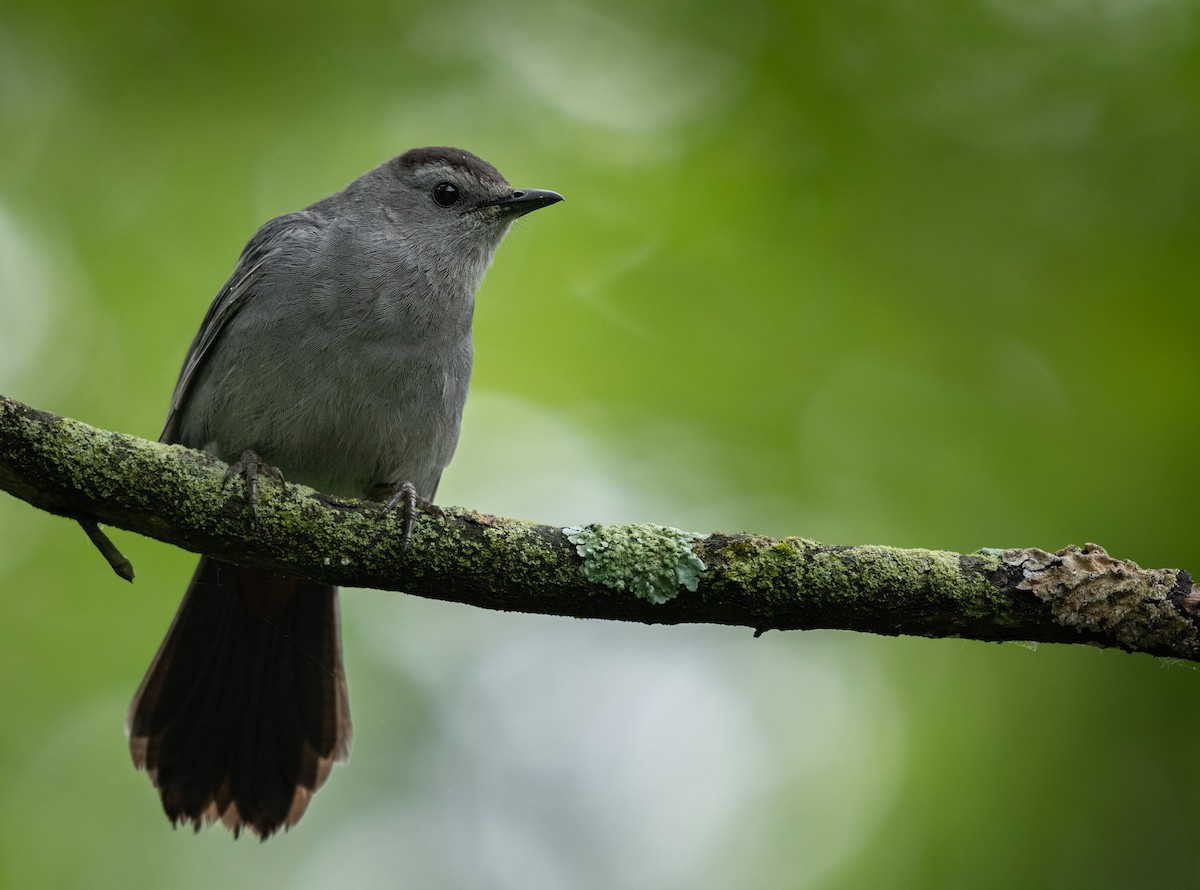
243, 711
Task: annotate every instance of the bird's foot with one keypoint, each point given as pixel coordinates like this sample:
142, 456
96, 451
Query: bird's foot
251, 466
406, 492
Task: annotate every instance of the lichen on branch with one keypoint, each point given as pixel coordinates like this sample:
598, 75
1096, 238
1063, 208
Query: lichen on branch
645, 573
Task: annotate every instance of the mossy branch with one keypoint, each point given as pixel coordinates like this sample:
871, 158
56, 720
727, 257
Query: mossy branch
642, 573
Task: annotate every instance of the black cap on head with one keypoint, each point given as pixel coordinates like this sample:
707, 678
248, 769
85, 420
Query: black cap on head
455, 157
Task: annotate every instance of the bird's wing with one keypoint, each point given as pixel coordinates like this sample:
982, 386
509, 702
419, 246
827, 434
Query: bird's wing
257, 256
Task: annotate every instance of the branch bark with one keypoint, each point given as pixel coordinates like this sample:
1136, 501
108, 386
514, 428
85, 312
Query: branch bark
643, 573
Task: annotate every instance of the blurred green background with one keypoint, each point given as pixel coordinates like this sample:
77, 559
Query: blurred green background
897, 273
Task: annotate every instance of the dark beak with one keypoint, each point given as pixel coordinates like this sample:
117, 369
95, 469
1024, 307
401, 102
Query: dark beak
524, 201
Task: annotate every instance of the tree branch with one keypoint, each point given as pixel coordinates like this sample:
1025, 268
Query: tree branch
644, 573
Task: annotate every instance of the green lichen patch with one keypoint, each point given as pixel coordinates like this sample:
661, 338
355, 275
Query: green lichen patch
652, 561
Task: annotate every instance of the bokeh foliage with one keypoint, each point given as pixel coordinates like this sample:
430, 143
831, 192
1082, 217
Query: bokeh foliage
913, 274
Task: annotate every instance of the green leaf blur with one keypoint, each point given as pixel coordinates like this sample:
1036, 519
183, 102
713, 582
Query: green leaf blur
893, 273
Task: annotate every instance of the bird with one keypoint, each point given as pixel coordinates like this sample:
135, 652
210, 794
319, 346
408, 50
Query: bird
337, 355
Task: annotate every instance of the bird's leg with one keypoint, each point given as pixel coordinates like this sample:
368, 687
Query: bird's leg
250, 465
406, 492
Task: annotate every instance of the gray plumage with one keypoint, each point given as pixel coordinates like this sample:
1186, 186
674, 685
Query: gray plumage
339, 351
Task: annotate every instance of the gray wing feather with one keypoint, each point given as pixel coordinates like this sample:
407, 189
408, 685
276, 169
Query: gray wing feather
256, 257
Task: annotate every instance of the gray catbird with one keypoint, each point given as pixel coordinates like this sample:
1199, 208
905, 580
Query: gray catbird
338, 355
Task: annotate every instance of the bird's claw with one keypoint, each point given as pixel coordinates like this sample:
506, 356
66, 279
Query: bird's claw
407, 493
250, 466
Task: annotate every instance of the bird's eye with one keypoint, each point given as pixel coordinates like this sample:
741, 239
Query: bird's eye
445, 193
